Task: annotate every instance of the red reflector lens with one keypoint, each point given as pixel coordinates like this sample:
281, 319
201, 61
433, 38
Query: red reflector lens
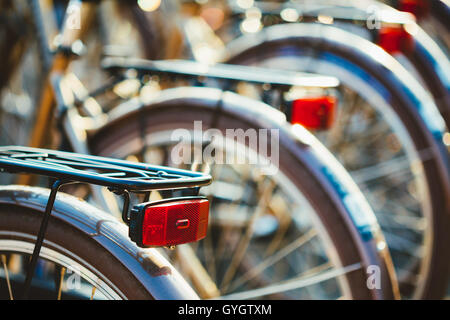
314, 113
395, 40
173, 223
419, 8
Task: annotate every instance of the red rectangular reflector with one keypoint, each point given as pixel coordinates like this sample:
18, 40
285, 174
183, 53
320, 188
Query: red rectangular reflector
314, 112
395, 40
175, 222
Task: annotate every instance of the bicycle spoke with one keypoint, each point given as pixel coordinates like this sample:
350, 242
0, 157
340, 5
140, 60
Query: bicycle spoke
399, 243
8, 282
338, 132
205, 286
233, 209
375, 132
383, 169
281, 211
94, 288
295, 283
296, 244
60, 280
400, 221
210, 258
245, 240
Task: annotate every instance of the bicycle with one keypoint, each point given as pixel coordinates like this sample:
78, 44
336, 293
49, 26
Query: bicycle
65, 236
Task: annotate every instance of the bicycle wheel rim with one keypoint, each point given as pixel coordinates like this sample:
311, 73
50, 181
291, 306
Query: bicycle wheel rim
23, 245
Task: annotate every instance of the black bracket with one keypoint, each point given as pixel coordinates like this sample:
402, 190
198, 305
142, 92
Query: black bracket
126, 203
41, 235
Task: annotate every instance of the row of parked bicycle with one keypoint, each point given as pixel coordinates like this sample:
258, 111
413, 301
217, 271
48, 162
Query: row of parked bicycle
315, 133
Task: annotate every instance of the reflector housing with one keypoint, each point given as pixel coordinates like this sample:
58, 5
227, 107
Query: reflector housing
314, 112
169, 222
395, 39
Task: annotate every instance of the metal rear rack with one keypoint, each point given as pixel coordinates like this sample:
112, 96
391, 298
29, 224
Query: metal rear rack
121, 177
112, 173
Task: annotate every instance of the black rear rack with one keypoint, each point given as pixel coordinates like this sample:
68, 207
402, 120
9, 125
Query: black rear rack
112, 173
